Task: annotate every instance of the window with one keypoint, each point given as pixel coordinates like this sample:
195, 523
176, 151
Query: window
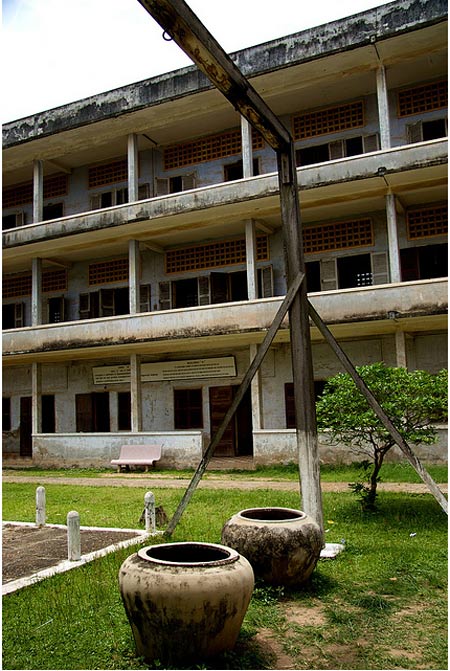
235, 170
354, 271
13, 220
13, 316
6, 413
426, 130
426, 222
92, 412
424, 98
109, 198
106, 272
352, 146
289, 402
213, 255
329, 120
104, 303
208, 148
188, 409
108, 173
48, 413
424, 263
124, 411
56, 307
54, 211
166, 185
312, 269
338, 235
185, 293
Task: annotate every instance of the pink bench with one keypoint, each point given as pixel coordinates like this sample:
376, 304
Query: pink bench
137, 455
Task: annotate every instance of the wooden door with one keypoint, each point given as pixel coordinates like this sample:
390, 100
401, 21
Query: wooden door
220, 399
26, 448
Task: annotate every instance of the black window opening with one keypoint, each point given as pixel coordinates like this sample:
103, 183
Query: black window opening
289, 403
92, 412
124, 411
9, 221
6, 413
188, 408
9, 316
185, 293
354, 271
235, 170
310, 155
48, 413
56, 310
424, 263
54, 211
312, 271
432, 130
354, 146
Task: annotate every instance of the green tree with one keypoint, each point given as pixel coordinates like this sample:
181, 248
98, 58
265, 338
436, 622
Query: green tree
412, 400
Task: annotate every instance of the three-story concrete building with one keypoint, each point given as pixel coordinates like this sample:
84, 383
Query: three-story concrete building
143, 252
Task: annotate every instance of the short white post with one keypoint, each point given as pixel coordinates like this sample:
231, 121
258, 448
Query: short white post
73, 536
149, 507
40, 507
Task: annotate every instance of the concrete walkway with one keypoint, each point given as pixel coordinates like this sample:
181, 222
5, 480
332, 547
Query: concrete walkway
226, 481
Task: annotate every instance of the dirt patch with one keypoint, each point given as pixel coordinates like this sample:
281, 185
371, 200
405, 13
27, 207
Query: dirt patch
27, 550
306, 616
265, 639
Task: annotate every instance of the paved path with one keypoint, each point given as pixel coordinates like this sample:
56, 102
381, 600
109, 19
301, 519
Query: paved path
209, 482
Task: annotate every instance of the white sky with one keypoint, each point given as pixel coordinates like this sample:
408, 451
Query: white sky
58, 51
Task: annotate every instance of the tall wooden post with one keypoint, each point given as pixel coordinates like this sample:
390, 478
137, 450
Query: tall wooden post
303, 377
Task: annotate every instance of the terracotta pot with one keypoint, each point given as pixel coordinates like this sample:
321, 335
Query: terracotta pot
185, 600
282, 545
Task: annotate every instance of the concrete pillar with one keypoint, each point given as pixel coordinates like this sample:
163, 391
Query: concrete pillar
400, 349
38, 190
393, 246
247, 150
136, 395
383, 108
73, 536
36, 398
36, 292
256, 394
134, 273
133, 168
250, 248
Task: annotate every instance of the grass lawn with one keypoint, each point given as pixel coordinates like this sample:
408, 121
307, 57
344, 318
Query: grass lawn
382, 604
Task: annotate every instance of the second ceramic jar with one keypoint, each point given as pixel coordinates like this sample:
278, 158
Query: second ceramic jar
282, 545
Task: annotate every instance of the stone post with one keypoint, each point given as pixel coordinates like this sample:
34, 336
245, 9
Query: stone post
40, 507
73, 536
150, 517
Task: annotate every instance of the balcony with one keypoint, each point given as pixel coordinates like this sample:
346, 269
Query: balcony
366, 311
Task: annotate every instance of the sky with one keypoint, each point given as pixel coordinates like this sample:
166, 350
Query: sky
57, 51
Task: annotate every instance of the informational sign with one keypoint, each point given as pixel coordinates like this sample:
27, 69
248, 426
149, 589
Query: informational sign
188, 369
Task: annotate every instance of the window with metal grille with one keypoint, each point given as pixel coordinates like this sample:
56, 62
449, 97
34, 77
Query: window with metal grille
426, 222
329, 120
17, 285
423, 98
20, 285
56, 185
338, 235
106, 272
54, 280
207, 148
213, 255
108, 173
21, 194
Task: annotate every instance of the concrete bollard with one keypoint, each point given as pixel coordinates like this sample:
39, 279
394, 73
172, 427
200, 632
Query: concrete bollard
40, 507
149, 508
73, 536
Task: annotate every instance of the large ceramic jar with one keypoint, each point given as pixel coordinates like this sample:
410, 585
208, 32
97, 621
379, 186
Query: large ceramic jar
185, 601
282, 545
